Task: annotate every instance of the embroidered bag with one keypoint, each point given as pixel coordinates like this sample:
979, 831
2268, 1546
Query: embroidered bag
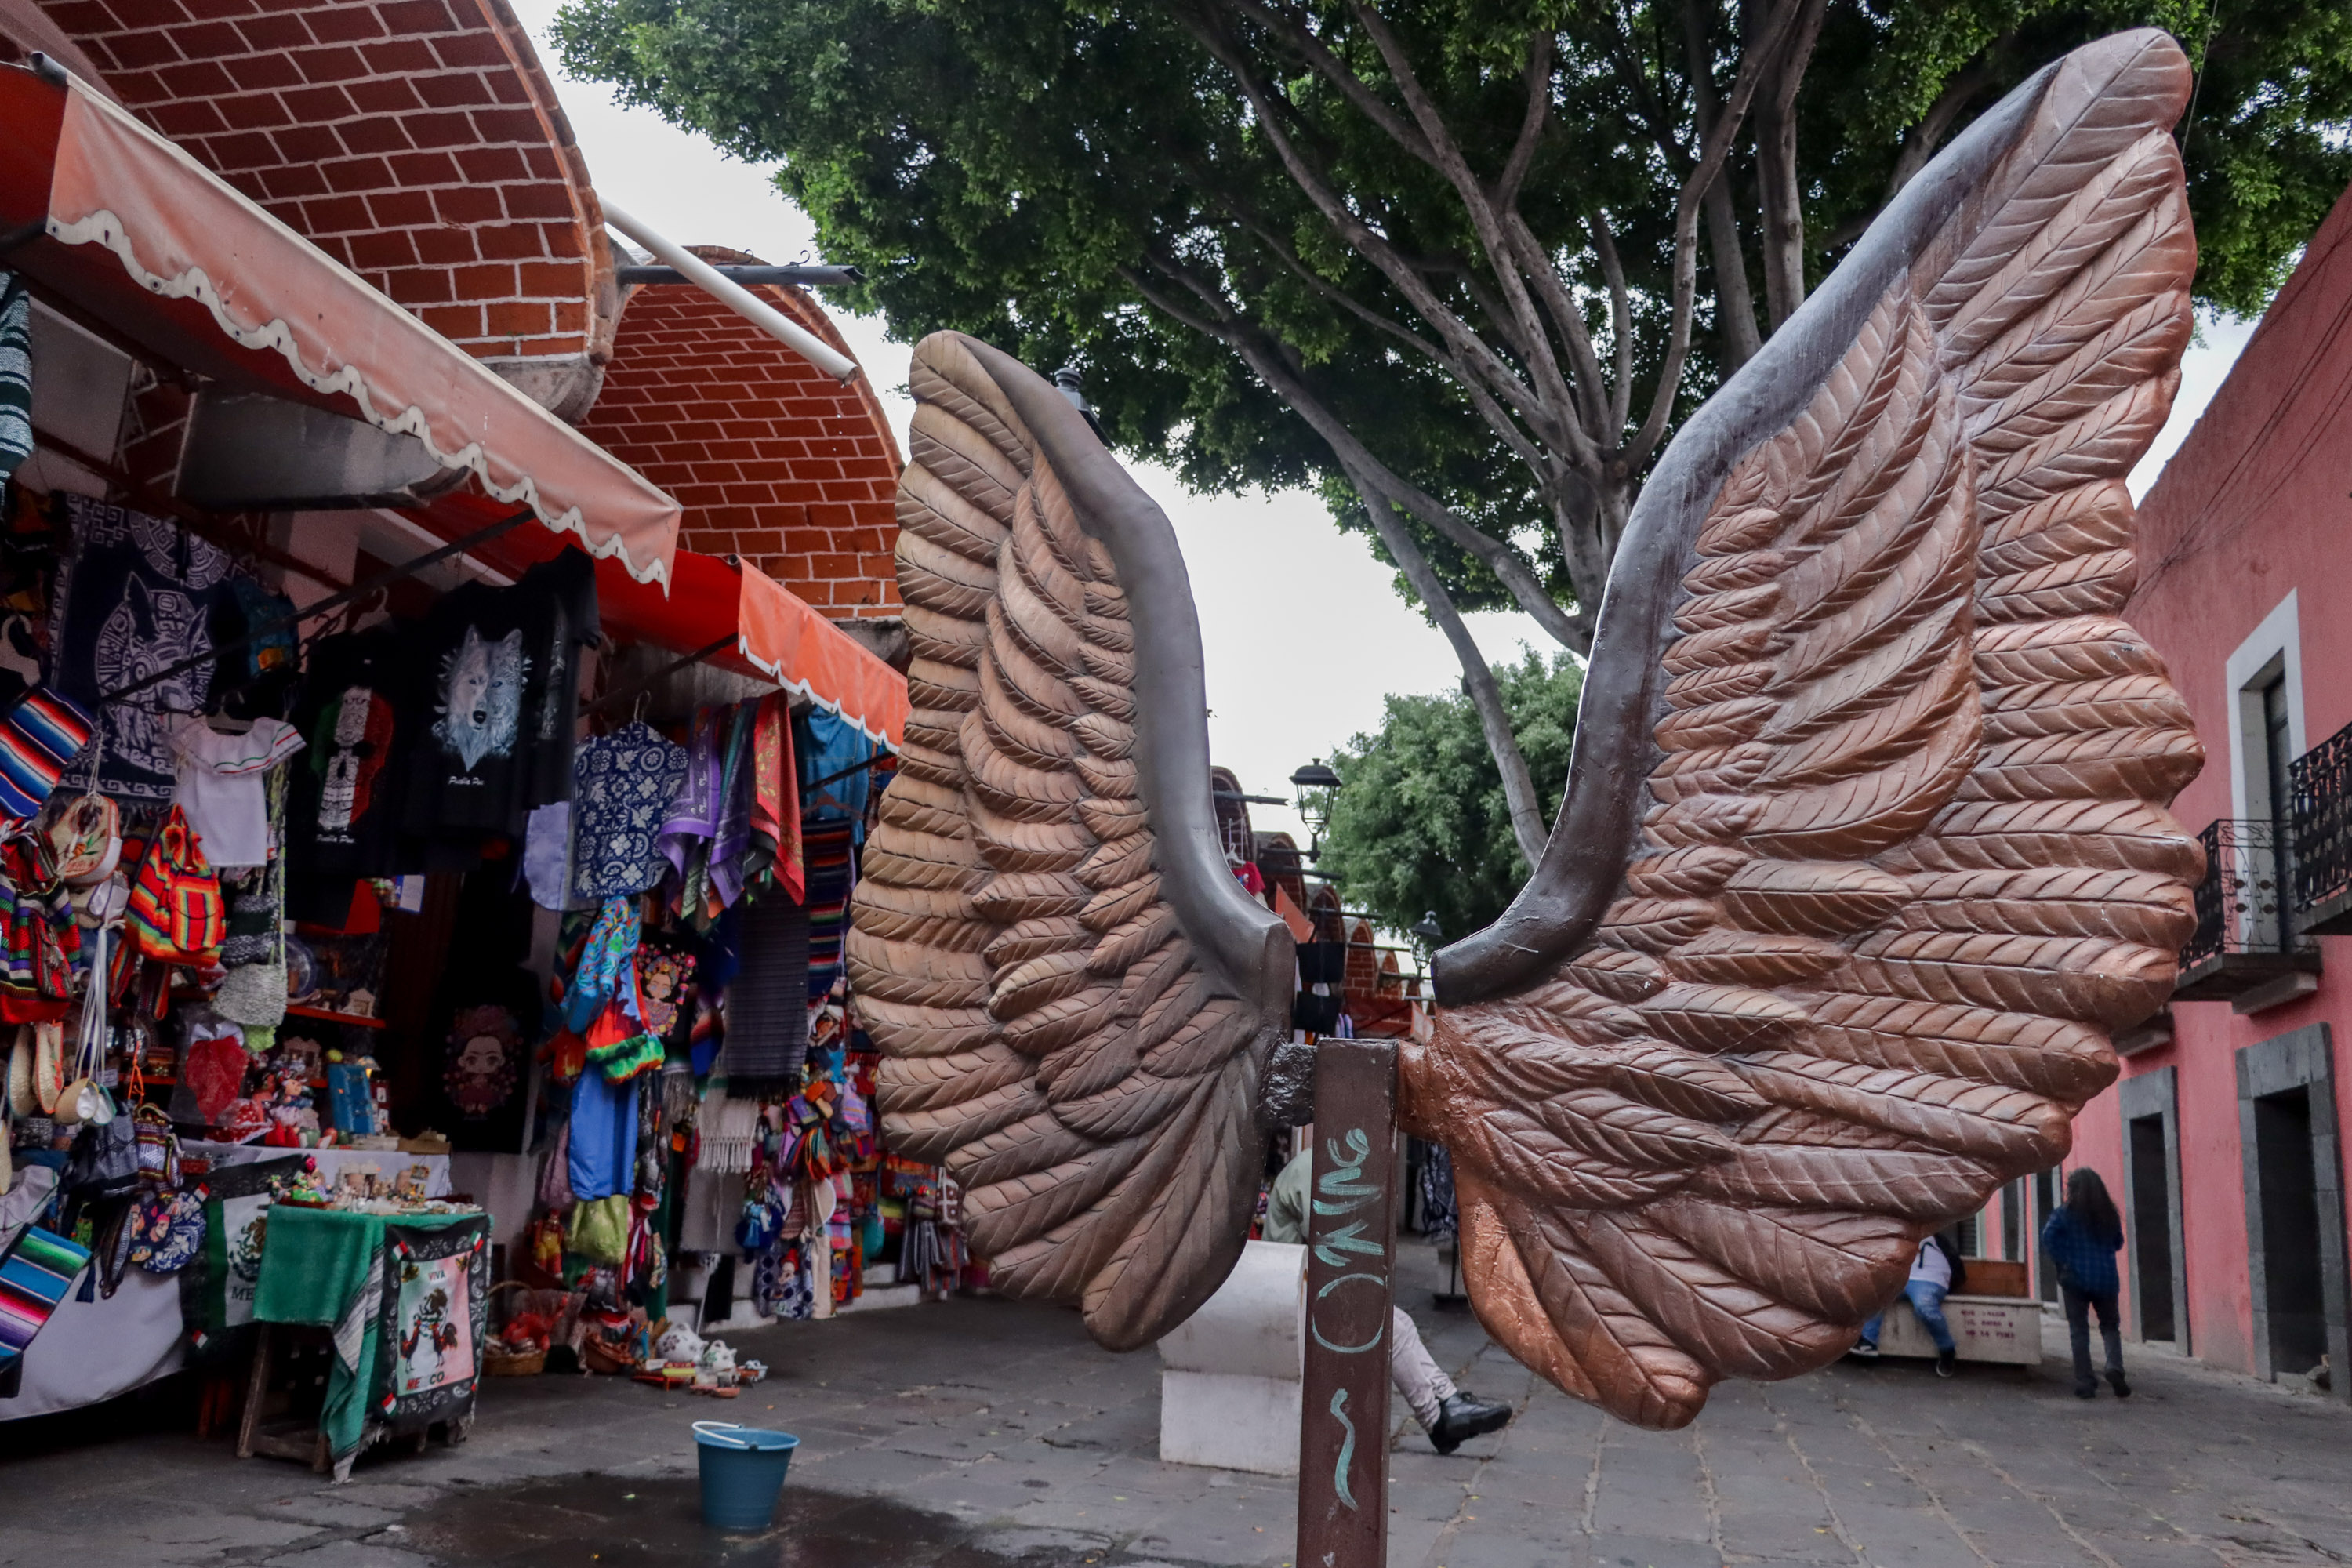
159, 1149
170, 1232
177, 911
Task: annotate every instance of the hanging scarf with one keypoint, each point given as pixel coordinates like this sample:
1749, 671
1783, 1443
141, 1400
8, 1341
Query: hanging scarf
694, 814
733, 838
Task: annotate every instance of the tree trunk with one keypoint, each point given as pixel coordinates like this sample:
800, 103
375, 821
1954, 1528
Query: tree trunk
1775, 166
1529, 824
1735, 302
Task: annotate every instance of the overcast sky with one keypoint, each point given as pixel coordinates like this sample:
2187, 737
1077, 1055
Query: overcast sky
1304, 633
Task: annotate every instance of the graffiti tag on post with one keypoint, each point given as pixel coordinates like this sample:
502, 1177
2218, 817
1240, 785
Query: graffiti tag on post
1343, 1440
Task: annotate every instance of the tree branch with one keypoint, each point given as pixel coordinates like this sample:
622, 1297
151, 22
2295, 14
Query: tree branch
1489, 222
1621, 324
1779, 196
1537, 76
1935, 124
1320, 59
1687, 210
1555, 422
1529, 825
1735, 304
1260, 351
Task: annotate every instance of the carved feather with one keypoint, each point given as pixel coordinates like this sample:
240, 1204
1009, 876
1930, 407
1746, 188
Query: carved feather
1901, 858
1072, 996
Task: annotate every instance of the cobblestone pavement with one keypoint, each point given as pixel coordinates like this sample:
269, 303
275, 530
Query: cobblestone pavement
987, 1434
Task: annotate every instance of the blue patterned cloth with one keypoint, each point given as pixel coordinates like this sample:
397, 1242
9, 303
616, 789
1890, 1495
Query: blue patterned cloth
2086, 1262
623, 784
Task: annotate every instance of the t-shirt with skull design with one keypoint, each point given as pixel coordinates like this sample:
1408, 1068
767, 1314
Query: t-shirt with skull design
343, 810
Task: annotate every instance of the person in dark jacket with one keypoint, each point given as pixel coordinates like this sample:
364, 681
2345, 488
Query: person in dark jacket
2081, 1239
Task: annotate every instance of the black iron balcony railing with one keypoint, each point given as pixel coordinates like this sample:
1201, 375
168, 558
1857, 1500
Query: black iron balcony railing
2244, 938
2321, 781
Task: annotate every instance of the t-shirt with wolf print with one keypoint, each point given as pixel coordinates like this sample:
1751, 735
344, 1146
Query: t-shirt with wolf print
471, 663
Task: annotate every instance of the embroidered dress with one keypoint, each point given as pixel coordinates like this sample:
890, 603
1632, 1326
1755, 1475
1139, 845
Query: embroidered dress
223, 784
624, 783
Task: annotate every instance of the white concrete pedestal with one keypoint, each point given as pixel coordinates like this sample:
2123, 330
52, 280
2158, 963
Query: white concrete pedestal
2001, 1328
1229, 1377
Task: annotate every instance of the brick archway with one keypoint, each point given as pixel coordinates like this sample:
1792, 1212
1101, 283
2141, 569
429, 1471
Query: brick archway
417, 142
773, 459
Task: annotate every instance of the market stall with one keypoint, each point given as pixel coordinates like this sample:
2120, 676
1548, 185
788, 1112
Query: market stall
324, 870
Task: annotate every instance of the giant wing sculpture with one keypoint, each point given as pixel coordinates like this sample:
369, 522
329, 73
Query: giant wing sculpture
1864, 856
1864, 852
1074, 997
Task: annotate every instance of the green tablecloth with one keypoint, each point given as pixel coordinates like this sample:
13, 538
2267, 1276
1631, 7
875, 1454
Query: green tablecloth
326, 1266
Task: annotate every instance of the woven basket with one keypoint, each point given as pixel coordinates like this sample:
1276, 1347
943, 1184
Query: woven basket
498, 1363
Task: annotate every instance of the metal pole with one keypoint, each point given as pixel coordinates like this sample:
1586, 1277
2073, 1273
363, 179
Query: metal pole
1343, 1443
737, 298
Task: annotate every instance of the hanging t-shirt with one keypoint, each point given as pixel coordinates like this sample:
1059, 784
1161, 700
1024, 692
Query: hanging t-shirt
832, 783
342, 811
135, 598
472, 656
223, 784
560, 618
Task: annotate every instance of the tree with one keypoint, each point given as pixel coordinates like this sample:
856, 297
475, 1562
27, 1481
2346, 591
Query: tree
1419, 822
1461, 264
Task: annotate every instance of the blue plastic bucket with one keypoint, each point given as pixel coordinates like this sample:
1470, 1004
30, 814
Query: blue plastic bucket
742, 1473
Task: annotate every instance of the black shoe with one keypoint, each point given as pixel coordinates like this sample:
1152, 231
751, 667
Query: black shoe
1864, 1350
2086, 1391
1945, 1361
2116, 1381
1463, 1416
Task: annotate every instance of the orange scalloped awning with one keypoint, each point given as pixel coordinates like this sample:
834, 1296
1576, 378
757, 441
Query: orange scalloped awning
776, 635
118, 221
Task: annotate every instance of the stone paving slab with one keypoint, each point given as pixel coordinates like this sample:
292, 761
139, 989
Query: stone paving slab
983, 1434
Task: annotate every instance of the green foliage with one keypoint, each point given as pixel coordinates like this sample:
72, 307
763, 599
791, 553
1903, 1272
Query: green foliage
1017, 168
1419, 821
2266, 141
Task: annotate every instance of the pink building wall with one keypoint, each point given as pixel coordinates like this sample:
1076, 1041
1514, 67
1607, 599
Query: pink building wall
2256, 505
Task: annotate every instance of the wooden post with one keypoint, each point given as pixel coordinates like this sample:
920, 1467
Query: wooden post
1343, 1444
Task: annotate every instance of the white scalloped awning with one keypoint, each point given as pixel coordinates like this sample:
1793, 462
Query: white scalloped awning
204, 277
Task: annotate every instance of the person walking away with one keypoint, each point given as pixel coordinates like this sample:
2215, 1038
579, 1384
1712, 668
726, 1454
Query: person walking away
2082, 1239
1449, 1414
1936, 1272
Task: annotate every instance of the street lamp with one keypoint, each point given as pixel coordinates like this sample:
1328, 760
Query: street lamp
1428, 932
1315, 784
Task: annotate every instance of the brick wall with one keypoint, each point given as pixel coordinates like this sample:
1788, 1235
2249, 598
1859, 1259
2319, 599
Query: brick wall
415, 141
773, 459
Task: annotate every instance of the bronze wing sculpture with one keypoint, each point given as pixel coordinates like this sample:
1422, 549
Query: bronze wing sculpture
1074, 997
1864, 851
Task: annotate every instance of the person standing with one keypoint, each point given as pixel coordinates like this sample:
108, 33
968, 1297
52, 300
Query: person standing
2081, 1239
1935, 1273
1449, 1414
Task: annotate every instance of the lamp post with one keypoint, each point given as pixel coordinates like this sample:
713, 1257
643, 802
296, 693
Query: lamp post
1315, 784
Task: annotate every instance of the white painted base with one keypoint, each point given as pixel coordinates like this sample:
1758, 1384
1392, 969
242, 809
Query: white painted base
1229, 1423
1229, 1377
2005, 1329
